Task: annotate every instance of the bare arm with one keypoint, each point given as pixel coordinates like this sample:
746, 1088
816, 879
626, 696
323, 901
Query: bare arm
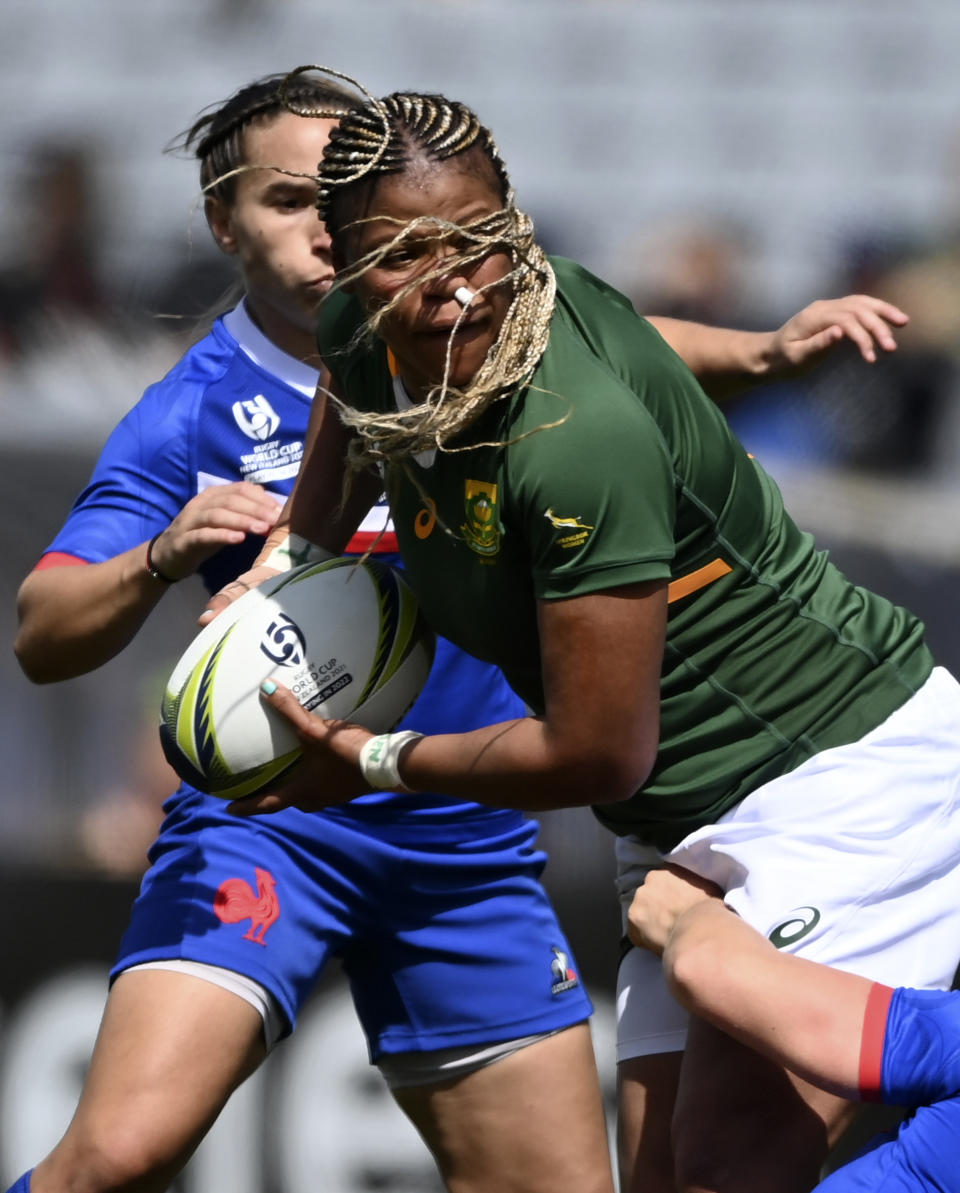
726, 361
73, 619
581, 751
805, 1016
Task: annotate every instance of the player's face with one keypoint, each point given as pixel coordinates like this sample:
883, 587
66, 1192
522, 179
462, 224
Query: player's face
419, 329
273, 229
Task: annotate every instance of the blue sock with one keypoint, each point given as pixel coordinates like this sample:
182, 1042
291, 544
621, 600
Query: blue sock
23, 1184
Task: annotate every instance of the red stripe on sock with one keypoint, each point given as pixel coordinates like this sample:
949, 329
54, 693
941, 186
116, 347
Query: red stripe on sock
871, 1043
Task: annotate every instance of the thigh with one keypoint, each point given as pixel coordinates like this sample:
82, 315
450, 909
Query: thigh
744, 1124
170, 1051
532, 1122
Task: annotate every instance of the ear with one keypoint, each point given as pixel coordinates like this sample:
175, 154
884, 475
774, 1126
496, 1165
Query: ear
220, 222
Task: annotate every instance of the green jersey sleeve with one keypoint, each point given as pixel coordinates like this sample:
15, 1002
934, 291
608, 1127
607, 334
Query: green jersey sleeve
590, 479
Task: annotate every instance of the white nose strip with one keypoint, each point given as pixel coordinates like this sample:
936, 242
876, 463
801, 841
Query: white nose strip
464, 295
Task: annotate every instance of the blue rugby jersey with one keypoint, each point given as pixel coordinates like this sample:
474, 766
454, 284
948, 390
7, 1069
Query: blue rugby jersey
235, 407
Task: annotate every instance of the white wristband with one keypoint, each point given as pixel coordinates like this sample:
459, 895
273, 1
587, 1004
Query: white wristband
380, 756
293, 551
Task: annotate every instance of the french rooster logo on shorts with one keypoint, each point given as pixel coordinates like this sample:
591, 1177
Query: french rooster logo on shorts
236, 901
564, 977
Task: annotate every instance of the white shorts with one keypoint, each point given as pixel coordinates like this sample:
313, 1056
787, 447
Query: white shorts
852, 860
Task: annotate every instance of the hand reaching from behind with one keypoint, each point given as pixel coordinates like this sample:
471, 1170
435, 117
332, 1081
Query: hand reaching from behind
218, 517
658, 905
803, 341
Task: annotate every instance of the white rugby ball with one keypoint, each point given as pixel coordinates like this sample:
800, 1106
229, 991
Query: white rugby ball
347, 637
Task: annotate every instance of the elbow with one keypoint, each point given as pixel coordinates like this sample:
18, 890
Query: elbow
38, 662
606, 777
31, 661
621, 774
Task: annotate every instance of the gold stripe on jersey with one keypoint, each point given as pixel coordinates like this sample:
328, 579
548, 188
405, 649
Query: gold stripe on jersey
692, 581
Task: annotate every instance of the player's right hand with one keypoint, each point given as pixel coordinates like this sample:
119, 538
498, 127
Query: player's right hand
220, 516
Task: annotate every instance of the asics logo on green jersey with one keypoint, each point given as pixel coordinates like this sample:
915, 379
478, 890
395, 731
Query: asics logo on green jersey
800, 923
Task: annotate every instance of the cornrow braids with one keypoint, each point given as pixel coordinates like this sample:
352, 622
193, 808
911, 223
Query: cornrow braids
216, 136
388, 136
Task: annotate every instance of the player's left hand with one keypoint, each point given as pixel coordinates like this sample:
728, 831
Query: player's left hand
329, 770
868, 323
665, 896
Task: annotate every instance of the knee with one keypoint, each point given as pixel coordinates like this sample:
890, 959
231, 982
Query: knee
118, 1160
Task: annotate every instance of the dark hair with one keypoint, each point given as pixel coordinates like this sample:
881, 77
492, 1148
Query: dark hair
216, 137
389, 136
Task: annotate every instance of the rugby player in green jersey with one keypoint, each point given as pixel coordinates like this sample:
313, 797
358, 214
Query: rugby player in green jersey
572, 506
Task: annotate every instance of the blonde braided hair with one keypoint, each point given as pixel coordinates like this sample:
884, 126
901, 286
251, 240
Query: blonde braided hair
386, 136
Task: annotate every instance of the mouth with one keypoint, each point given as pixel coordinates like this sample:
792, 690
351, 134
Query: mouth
466, 329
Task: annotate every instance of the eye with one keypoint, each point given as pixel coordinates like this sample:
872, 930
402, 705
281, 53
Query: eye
292, 200
398, 258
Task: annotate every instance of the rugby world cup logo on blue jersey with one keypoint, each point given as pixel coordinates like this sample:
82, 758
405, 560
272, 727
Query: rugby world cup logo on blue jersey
256, 418
283, 642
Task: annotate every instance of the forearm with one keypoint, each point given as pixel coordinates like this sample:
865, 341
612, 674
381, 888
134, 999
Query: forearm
513, 764
74, 619
723, 360
805, 1016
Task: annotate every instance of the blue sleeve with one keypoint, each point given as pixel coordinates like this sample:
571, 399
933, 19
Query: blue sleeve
920, 1068
921, 1047
139, 484
922, 1157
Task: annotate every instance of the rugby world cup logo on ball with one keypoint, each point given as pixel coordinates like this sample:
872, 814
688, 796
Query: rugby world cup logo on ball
284, 642
346, 637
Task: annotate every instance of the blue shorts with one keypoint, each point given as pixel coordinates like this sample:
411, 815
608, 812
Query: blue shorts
921, 1062
445, 932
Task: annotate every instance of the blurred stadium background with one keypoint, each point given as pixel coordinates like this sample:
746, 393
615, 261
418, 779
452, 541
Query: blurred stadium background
728, 160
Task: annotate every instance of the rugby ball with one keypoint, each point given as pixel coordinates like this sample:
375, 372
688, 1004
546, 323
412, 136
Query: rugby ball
345, 636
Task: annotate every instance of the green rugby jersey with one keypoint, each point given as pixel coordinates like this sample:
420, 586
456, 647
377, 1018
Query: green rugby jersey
619, 469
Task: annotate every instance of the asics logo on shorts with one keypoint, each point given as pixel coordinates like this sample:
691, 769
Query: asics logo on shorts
801, 922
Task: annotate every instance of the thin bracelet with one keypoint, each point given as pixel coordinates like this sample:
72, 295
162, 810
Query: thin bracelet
379, 758
152, 569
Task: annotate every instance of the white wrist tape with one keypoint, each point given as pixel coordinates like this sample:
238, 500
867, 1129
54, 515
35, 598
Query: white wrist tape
380, 756
293, 551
